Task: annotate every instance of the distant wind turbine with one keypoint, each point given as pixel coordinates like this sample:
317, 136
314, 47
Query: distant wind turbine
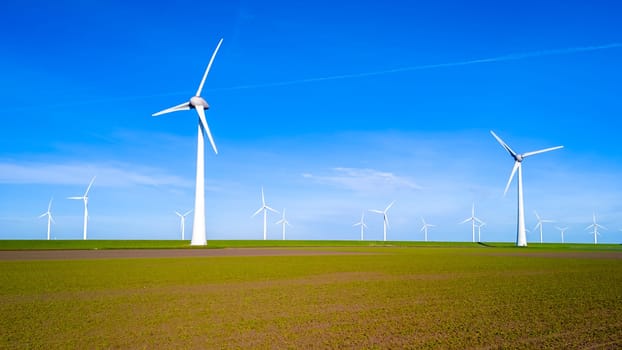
385, 218
521, 237
425, 228
539, 224
49, 215
85, 198
473, 219
562, 230
200, 105
283, 222
479, 231
362, 224
182, 218
264, 208
594, 226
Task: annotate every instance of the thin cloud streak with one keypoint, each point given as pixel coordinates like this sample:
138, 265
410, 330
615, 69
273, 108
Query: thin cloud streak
364, 180
504, 58
76, 173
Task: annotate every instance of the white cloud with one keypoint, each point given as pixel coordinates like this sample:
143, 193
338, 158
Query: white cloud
364, 180
112, 175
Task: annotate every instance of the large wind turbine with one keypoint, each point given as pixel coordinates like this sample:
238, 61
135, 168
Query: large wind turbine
362, 224
473, 219
49, 215
385, 218
562, 230
283, 222
264, 208
539, 224
85, 198
521, 236
200, 105
594, 226
182, 218
425, 228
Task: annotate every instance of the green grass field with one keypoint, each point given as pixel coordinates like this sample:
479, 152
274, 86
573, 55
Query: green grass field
419, 296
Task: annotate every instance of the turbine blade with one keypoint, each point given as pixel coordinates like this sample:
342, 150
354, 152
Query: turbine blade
89, 188
201, 113
209, 66
541, 151
516, 165
389, 206
504, 145
257, 212
50, 205
263, 198
75, 197
386, 219
465, 221
537, 216
42, 215
180, 107
279, 222
52, 219
376, 211
188, 212
178, 214
272, 210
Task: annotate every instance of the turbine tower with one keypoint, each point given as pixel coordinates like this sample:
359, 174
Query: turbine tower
539, 224
49, 215
425, 228
200, 105
594, 226
362, 224
521, 236
473, 219
182, 218
85, 198
264, 208
283, 222
562, 230
385, 218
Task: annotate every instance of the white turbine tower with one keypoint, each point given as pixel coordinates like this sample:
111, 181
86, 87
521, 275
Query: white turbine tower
479, 231
425, 228
49, 215
473, 219
85, 198
594, 226
182, 218
264, 208
362, 224
562, 230
200, 105
539, 224
385, 218
521, 237
283, 222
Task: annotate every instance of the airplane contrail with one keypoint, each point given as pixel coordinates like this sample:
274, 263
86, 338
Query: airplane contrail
503, 58
509, 57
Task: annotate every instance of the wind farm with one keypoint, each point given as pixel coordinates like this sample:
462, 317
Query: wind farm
371, 128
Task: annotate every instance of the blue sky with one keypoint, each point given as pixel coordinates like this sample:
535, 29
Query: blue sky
333, 107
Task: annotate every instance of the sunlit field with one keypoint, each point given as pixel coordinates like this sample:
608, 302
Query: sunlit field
406, 295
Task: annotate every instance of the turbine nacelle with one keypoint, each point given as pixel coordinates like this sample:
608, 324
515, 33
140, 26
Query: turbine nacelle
196, 101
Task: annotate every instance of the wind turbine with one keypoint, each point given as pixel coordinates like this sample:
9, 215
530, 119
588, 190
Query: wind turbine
283, 222
385, 218
85, 198
521, 236
539, 224
594, 226
479, 231
562, 230
425, 228
49, 215
182, 218
472, 219
200, 105
362, 224
264, 208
